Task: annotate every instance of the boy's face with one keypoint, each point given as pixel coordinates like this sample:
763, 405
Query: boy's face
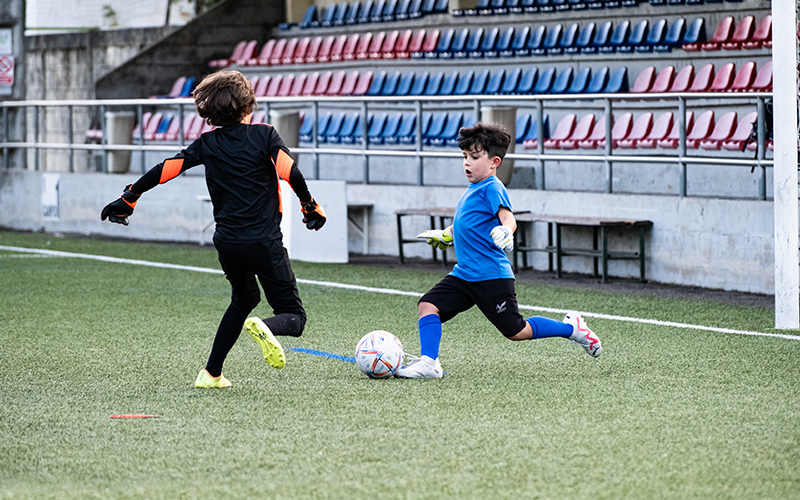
478, 166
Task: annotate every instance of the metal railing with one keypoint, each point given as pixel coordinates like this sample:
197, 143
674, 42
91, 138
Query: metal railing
541, 103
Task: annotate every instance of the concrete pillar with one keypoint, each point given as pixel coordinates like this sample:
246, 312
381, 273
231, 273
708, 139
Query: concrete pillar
287, 123
508, 117
119, 128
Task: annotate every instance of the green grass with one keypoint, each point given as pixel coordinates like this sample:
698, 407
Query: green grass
664, 413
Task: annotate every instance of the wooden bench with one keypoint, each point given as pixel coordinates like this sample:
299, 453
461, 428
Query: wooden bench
443, 215
599, 250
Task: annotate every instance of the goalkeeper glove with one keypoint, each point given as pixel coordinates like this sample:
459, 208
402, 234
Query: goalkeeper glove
437, 238
503, 238
313, 214
118, 210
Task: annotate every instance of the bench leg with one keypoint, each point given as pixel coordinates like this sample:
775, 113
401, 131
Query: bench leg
400, 237
558, 250
604, 236
444, 252
641, 255
594, 247
550, 244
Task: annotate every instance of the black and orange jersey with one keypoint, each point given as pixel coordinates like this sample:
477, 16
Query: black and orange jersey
243, 163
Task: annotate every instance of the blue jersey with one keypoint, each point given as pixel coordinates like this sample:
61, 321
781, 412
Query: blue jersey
479, 259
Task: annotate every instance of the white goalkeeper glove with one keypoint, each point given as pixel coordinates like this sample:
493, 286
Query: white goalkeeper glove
503, 238
437, 238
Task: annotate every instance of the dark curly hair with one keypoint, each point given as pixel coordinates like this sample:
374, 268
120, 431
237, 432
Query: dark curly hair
490, 137
224, 98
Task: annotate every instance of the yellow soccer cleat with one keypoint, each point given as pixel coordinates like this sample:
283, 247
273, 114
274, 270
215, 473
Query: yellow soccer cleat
206, 381
273, 352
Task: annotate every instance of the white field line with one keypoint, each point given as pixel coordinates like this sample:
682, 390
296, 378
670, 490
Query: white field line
389, 291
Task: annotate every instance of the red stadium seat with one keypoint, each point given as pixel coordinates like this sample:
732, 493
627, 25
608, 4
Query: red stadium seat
313, 49
564, 129
197, 127
644, 81
597, 135
739, 138
265, 54
763, 80
324, 54
298, 85
338, 48
582, 131
349, 84
415, 45
323, 83
335, 87
431, 41
349, 50
248, 53
743, 32
301, 50
672, 139
663, 81
286, 86
721, 35
364, 82
724, 78
262, 85
683, 80
311, 84
152, 126
723, 130
701, 130
374, 51
761, 35
390, 45
661, 129
259, 117
277, 52
238, 50
702, 81
641, 129
288, 51
403, 42
137, 130
362, 49
743, 81
274, 86
620, 130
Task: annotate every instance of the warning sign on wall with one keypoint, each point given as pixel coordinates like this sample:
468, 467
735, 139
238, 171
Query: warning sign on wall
6, 74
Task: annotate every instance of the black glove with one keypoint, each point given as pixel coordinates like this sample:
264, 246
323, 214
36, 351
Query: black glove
118, 210
313, 214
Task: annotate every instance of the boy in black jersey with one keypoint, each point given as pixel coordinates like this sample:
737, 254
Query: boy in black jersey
243, 163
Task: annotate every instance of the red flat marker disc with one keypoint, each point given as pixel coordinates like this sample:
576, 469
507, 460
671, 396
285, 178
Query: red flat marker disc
134, 416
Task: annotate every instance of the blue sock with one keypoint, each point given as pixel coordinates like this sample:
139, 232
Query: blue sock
546, 327
430, 334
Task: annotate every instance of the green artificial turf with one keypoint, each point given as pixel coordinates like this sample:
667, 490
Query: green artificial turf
666, 412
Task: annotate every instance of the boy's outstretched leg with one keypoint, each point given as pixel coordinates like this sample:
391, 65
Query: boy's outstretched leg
430, 335
581, 334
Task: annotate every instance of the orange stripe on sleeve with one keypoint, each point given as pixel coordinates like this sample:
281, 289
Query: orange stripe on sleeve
171, 169
283, 164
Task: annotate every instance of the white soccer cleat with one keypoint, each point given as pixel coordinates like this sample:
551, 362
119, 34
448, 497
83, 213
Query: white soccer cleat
425, 367
582, 335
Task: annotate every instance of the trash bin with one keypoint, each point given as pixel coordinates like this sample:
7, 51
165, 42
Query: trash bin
119, 130
287, 123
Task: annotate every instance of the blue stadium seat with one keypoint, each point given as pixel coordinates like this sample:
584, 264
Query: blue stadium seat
376, 14
348, 128
521, 127
482, 4
544, 6
449, 84
450, 129
495, 82
388, 11
443, 46
358, 131
390, 86
584, 39
364, 12
464, 83
441, 6
528, 6
488, 45
401, 12
341, 14
578, 4
308, 18
415, 9
581, 81
389, 129
550, 41
511, 81
637, 37
334, 127
404, 129
377, 84
473, 44
434, 84
655, 37
545, 81
328, 16
695, 32
611, 4
598, 82
457, 45
420, 82
322, 126
427, 7
306, 128
514, 6
188, 87
519, 43
503, 47
404, 85
535, 41
527, 81
633, 3
618, 38
600, 38
496, 7
563, 81
468, 121
352, 12
435, 128
673, 37
376, 127
408, 132
559, 5
478, 86
618, 81
567, 40
533, 129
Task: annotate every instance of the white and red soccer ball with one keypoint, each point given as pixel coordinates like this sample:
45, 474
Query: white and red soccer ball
379, 354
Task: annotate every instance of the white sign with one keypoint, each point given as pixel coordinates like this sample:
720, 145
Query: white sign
6, 45
6, 74
51, 204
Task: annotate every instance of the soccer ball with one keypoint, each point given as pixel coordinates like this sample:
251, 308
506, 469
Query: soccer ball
379, 354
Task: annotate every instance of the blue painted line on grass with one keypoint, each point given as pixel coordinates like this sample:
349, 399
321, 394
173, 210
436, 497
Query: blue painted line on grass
323, 354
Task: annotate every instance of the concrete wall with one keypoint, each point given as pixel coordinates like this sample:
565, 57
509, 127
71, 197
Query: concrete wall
714, 243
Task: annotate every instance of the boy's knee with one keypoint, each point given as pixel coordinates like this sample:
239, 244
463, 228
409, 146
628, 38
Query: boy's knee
247, 302
426, 308
287, 324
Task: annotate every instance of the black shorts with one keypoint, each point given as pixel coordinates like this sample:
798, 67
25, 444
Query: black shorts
496, 299
269, 262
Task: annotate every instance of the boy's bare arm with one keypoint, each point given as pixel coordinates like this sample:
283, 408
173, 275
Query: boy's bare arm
507, 219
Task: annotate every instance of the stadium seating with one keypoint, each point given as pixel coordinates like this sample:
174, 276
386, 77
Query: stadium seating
743, 32
334, 128
743, 81
495, 82
449, 84
683, 80
348, 132
673, 136
761, 35
618, 81
419, 84
434, 84
583, 40
641, 129
654, 38
703, 126
478, 86
581, 81
581, 132
520, 42
362, 48
600, 38
598, 134
377, 84
695, 35
535, 41
487, 45
375, 48
450, 129
661, 129
663, 81
531, 140
364, 83
401, 48
164, 126
566, 41
644, 81
300, 52
438, 121
721, 35
673, 37
550, 41
286, 85
137, 130
562, 82
323, 83
503, 46
457, 45
723, 79
636, 37
545, 81
620, 130
313, 49
311, 84
737, 141
236, 55
405, 83
309, 18
473, 44
336, 83
521, 126
511, 81
325, 48
598, 82
527, 81
763, 80
390, 86
617, 39
415, 45
298, 85
702, 80
722, 131
564, 130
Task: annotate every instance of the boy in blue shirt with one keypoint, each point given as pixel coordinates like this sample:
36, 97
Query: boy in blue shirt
482, 233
